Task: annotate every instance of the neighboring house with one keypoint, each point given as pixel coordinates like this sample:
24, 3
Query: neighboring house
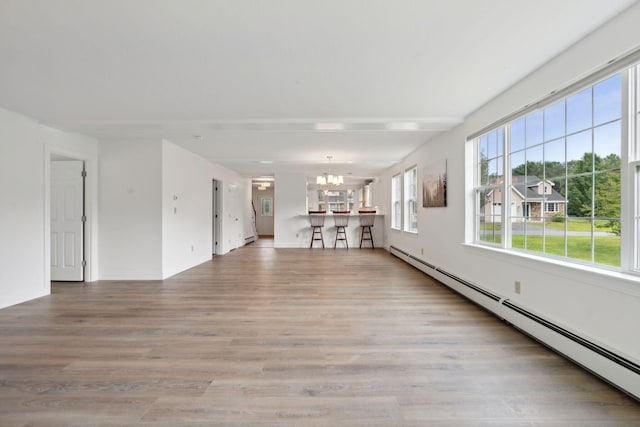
533, 200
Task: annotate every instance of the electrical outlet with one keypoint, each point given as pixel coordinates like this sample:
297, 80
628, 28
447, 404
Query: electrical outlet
517, 286
422, 251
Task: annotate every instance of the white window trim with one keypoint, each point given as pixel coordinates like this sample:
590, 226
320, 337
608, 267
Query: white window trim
399, 201
633, 221
630, 168
405, 200
587, 273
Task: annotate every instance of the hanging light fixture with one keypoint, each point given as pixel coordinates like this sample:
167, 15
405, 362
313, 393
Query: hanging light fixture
328, 178
262, 185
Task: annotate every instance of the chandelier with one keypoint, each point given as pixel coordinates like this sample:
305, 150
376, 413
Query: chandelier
328, 178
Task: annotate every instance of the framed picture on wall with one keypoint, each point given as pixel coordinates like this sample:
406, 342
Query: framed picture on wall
434, 185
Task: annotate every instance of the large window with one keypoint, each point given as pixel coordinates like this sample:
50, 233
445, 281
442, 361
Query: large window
411, 200
396, 202
561, 193
634, 157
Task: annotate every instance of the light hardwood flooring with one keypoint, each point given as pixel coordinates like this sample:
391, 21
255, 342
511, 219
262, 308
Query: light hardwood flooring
262, 242
285, 337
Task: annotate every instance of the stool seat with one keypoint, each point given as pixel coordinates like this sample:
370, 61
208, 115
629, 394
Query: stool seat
367, 218
316, 219
341, 220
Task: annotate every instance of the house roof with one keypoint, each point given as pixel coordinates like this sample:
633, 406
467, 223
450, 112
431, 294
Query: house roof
526, 186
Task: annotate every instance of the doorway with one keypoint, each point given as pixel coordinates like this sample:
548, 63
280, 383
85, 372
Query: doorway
216, 228
264, 207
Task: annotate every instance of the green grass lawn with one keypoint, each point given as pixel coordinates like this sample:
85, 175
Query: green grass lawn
606, 248
572, 225
575, 225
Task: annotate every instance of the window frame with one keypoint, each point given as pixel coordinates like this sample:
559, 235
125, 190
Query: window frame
629, 216
553, 205
631, 241
396, 202
484, 189
410, 200
635, 219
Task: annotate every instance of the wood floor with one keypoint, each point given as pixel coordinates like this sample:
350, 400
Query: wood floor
285, 337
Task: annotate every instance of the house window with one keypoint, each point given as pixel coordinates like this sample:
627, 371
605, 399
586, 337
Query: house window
411, 200
396, 202
334, 200
565, 171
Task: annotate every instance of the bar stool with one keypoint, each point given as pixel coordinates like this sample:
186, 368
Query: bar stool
316, 218
367, 218
341, 220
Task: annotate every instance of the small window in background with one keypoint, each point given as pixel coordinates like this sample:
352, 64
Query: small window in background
396, 202
411, 200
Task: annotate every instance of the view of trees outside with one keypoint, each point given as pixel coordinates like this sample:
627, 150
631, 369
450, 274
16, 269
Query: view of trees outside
575, 145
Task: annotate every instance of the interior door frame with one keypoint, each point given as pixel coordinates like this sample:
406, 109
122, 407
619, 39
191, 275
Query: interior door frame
91, 211
216, 217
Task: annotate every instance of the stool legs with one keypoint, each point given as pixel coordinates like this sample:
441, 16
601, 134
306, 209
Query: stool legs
365, 234
340, 235
317, 231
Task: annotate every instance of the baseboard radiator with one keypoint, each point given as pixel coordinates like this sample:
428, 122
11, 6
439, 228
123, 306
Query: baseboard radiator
606, 364
249, 239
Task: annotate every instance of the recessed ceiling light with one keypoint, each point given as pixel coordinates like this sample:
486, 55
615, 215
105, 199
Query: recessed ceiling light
329, 126
402, 126
265, 162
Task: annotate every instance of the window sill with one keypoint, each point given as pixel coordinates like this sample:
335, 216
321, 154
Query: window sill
628, 283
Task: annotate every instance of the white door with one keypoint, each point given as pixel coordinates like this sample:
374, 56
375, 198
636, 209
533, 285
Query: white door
66, 221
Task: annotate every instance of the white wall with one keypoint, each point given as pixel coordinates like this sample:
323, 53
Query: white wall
141, 238
25, 148
603, 308
186, 209
130, 210
22, 210
290, 225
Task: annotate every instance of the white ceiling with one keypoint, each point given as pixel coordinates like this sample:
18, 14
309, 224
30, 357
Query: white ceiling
286, 81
